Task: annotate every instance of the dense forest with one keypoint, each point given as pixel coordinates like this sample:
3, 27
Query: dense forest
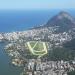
67, 52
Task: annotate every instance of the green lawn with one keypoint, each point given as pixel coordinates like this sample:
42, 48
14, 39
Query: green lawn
37, 47
32, 43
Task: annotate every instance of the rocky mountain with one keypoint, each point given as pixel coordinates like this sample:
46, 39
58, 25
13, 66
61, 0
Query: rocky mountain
63, 19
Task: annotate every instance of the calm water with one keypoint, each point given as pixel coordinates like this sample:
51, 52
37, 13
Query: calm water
17, 21
5, 67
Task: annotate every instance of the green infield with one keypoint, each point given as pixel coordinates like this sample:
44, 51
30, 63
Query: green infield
37, 48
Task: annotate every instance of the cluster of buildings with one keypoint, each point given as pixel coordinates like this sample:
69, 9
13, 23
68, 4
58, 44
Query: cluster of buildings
17, 50
38, 67
45, 33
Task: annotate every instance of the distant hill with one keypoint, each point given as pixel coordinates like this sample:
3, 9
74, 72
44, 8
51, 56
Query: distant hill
63, 19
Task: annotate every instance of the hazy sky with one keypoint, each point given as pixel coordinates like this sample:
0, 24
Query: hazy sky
36, 4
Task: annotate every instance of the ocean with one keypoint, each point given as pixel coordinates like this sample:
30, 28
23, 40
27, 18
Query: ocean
16, 20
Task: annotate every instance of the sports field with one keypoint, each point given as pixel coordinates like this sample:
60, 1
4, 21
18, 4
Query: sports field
37, 48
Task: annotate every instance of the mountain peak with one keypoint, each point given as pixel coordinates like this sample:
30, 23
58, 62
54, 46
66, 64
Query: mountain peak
64, 14
63, 19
